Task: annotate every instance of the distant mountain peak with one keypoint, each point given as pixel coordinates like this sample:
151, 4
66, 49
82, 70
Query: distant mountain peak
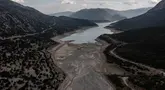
98, 15
134, 12
153, 18
160, 5
16, 19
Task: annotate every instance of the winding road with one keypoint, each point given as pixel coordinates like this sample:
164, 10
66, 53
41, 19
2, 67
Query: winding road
154, 70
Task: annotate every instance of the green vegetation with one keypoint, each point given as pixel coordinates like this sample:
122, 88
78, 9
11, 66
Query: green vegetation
118, 82
155, 82
26, 63
143, 45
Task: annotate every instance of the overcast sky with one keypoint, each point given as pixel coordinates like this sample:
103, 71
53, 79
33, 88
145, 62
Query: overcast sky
52, 6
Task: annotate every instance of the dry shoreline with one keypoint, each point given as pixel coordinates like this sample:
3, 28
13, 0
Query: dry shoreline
80, 62
78, 65
57, 38
114, 30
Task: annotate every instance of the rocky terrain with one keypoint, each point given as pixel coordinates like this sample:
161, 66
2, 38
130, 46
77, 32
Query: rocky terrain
85, 66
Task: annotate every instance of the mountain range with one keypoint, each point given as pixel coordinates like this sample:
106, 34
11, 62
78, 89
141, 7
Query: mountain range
153, 18
144, 37
134, 12
140, 44
103, 14
98, 15
26, 61
25, 37
18, 19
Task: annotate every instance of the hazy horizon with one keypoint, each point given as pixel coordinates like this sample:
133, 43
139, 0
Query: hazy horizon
54, 6
100, 8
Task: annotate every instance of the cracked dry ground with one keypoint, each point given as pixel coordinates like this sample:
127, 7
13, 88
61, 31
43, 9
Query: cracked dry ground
83, 65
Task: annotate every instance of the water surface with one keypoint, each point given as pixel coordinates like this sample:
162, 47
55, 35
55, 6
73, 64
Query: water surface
89, 35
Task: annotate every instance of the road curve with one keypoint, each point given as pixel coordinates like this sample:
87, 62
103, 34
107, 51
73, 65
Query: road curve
112, 52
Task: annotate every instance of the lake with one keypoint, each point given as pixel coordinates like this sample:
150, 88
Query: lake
88, 35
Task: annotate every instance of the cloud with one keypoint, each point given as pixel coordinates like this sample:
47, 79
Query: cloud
84, 5
154, 1
130, 2
19, 1
68, 2
51, 6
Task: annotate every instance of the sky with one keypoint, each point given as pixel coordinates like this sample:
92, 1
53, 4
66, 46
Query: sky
53, 6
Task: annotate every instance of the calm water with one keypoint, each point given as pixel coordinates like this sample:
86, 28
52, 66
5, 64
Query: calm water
88, 35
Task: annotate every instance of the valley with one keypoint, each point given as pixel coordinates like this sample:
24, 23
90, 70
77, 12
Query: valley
139, 75
85, 66
87, 48
84, 62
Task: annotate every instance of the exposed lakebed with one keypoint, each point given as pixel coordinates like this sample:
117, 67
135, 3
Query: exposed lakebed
83, 61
